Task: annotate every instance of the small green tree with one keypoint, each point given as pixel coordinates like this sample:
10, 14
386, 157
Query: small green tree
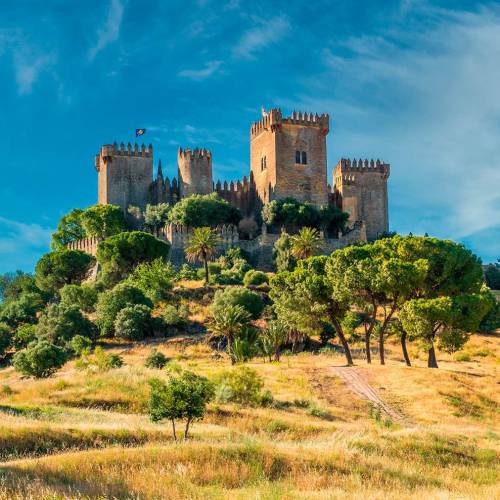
103, 221
238, 295
156, 359
154, 278
290, 213
242, 385
69, 229
306, 243
80, 345
183, 397
201, 247
23, 336
253, 277
133, 322
282, 253
492, 275
39, 359
22, 310
84, 296
333, 220
5, 338
272, 339
156, 216
62, 267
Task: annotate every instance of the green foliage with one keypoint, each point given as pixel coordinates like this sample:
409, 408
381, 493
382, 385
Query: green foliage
282, 253
133, 322
120, 254
182, 397
201, 247
491, 320
23, 336
204, 211
22, 310
80, 345
186, 272
62, 267
238, 295
13, 285
332, 219
111, 302
5, 338
272, 339
492, 275
156, 216
240, 385
84, 296
40, 359
103, 221
244, 347
256, 278
69, 229
306, 243
290, 212
175, 316
156, 359
229, 268
100, 360
154, 278
60, 323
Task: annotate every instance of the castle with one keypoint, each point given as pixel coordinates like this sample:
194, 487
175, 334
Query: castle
287, 159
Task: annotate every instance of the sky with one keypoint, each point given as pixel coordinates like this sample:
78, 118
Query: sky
414, 83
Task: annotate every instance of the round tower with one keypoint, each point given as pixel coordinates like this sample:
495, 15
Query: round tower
195, 172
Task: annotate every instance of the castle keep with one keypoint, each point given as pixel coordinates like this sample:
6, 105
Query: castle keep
287, 159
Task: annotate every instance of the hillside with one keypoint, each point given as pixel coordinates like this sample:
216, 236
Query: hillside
431, 433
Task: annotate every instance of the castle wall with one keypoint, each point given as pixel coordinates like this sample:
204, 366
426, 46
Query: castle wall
195, 172
125, 175
362, 188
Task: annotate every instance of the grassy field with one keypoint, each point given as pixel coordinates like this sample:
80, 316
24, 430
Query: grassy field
87, 435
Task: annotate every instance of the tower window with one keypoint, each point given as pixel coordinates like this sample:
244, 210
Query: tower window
263, 163
297, 156
304, 158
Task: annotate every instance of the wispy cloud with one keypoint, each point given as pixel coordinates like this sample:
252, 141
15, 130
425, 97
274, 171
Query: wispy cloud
210, 68
257, 38
111, 29
28, 68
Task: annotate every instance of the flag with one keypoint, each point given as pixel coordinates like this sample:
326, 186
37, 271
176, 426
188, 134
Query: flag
140, 131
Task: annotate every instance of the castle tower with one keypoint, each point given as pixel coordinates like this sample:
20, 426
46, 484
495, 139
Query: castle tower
361, 188
195, 172
125, 175
288, 156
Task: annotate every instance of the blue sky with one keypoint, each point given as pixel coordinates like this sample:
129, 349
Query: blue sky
415, 83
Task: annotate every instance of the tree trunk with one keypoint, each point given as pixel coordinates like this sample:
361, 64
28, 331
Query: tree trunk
205, 261
405, 351
381, 347
367, 346
187, 428
173, 430
343, 340
432, 361
277, 355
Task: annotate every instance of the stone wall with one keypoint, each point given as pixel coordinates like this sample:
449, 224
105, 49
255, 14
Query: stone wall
195, 172
87, 245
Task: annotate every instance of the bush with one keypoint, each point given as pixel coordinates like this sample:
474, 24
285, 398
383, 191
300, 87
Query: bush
84, 296
133, 322
80, 345
156, 359
121, 253
272, 339
175, 316
249, 300
241, 385
154, 278
462, 356
255, 278
100, 361
62, 267
5, 338
23, 336
110, 303
60, 323
39, 359
21, 310
186, 272
282, 254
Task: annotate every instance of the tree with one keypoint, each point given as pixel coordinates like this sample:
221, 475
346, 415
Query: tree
290, 213
23, 336
5, 338
156, 360
492, 275
306, 243
133, 322
84, 296
208, 210
121, 253
304, 299
182, 397
201, 247
103, 221
255, 278
229, 322
39, 359
154, 278
69, 229
22, 310
282, 253
60, 323
13, 285
111, 302
238, 296
156, 216
272, 339
332, 219
62, 267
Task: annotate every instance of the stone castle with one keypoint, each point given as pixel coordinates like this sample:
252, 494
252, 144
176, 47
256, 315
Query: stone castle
287, 159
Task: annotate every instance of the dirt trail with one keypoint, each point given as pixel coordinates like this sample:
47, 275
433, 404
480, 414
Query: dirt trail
356, 381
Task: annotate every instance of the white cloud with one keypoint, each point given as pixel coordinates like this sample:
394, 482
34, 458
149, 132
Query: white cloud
265, 33
208, 70
28, 68
111, 29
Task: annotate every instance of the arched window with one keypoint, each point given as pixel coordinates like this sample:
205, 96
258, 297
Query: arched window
262, 163
297, 156
304, 158
265, 161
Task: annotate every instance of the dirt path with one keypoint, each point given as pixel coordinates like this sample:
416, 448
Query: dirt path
356, 381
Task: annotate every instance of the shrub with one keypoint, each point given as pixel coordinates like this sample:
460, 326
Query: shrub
290, 212
462, 356
23, 336
186, 272
100, 360
244, 346
182, 397
84, 296
133, 322
5, 338
249, 300
154, 278
39, 359
282, 254
80, 345
156, 359
62, 267
110, 303
241, 385
175, 316
253, 277
21, 310
60, 323
272, 339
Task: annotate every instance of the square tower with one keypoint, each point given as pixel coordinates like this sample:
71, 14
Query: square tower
288, 157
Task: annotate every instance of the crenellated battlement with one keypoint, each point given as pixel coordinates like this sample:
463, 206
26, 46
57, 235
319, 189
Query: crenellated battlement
196, 153
178, 236
345, 167
87, 245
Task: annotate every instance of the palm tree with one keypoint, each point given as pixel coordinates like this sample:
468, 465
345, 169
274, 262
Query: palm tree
202, 246
306, 243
